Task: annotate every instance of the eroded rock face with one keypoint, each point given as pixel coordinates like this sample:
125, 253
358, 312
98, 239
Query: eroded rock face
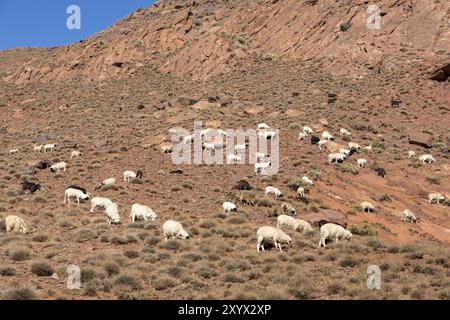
326, 216
421, 139
442, 73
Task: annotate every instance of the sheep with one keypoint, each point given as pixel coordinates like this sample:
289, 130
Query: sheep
354, 146
302, 135
344, 132
99, 202
243, 185
75, 193
273, 190
107, 183
427, 158
174, 229
307, 130
327, 136
38, 148
322, 143
296, 224
261, 156
259, 167
361, 163
435, 197
231, 158
263, 126
303, 225
367, 207
204, 133
12, 151
331, 230
347, 152
30, 186
49, 147
58, 167
15, 224
380, 171
271, 234
130, 175
208, 146
168, 148
78, 188
315, 140
301, 192
247, 198
228, 207
267, 134
368, 148
112, 212
307, 180
75, 154
141, 211
44, 164
408, 215
336, 157
287, 208
239, 148
411, 154
188, 139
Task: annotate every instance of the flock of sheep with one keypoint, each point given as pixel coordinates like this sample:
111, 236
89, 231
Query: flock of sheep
265, 234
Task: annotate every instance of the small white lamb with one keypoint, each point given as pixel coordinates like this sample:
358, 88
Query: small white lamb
174, 229
228, 207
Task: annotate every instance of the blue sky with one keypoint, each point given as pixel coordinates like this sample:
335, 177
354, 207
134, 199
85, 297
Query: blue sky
43, 22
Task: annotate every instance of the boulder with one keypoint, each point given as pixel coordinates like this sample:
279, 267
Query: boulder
442, 73
186, 101
42, 138
421, 139
325, 215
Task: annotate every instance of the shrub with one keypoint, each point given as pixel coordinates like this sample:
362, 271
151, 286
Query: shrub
348, 262
127, 281
84, 235
19, 254
363, 229
384, 197
42, 269
434, 179
19, 294
7, 271
344, 26
348, 167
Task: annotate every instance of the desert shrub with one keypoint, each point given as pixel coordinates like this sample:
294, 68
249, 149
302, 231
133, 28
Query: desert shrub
127, 281
384, 197
344, 26
42, 269
7, 271
84, 235
348, 167
363, 229
348, 262
19, 294
19, 254
163, 283
434, 179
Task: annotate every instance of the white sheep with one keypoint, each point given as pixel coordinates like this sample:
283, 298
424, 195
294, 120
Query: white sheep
12, 151
367, 207
361, 163
263, 126
274, 191
228, 207
57, 167
99, 202
267, 134
174, 229
296, 224
107, 182
411, 154
188, 139
75, 193
408, 215
427, 158
327, 136
308, 130
336, 157
303, 225
49, 147
239, 148
345, 151
301, 192
302, 135
307, 180
354, 146
75, 154
321, 143
209, 146
167, 148
38, 148
261, 156
232, 159
344, 132
288, 208
435, 197
141, 211
15, 224
270, 234
260, 166
112, 212
130, 175
331, 230
368, 148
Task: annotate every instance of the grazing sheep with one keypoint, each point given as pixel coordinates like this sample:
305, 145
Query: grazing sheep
331, 230
247, 198
263, 126
336, 157
344, 132
427, 158
30, 186
233, 159
274, 191
174, 229
368, 148
354, 146
12, 151
57, 167
367, 207
44, 164
288, 208
15, 224
78, 188
271, 234
296, 224
107, 183
239, 148
49, 147
301, 192
243, 185
411, 154
99, 202
327, 136
208, 146
168, 148
303, 225
347, 152
322, 143
38, 148
228, 207
408, 215
259, 167
361, 163
75, 154
307, 180
315, 140
380, 171
260, 156
267, 134
141, 211
435, 197
75, 193
112, 212
188, 139
302, 135
130, 175
307, 130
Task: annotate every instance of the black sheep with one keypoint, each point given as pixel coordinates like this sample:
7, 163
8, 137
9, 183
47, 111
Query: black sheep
139, 174
30, 186
315, 139
243, 185
381, 172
